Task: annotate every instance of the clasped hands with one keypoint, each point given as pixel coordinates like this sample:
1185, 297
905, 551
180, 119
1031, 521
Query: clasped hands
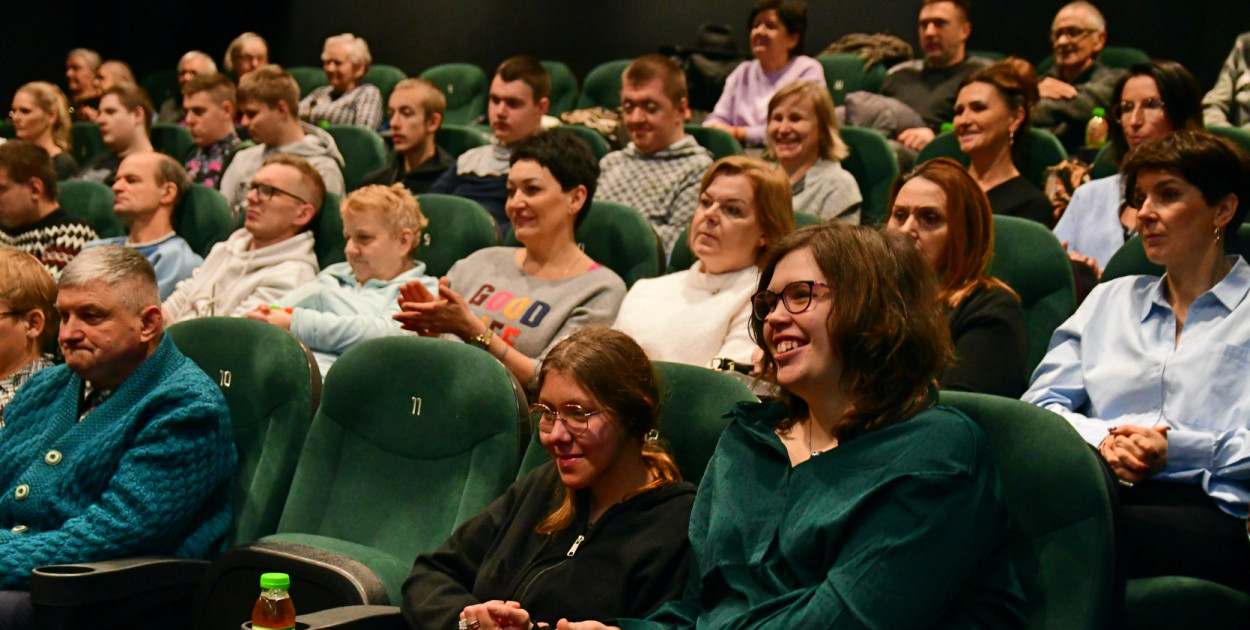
432, 315
1135, 453
501, 615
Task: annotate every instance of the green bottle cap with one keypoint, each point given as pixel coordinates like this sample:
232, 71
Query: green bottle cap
947, 127
1100, 112
275, 580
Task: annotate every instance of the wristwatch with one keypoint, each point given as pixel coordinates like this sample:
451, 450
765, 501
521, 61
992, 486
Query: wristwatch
483, 340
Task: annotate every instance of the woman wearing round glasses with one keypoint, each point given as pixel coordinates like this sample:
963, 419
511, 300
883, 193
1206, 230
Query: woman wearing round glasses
1152, 100
943, 211
598, 533
832, 506
1152, 371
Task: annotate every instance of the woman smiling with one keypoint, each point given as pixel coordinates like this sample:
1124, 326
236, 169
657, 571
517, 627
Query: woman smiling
803, 138
345, 101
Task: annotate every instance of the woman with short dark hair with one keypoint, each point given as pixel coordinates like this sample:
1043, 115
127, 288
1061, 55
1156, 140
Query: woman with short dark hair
1152, 371
834, 505
599, 533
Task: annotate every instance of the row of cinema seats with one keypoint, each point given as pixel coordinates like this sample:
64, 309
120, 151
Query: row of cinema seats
341, 487
411, 436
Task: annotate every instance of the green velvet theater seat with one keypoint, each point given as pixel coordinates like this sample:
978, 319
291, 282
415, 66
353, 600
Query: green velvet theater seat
693, 403
1060, 504
93, 202
173, 140
1029, 258
602, 85
202, 219
466, 88
598, 144
363, 152
413, 437
564, 90
874, 167
845, 73
720, 142
272, 386
457, 227
87, 141
385, 78
618, 237
456, 139
309, 78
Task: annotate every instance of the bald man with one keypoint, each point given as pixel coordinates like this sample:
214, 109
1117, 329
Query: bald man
1077, 82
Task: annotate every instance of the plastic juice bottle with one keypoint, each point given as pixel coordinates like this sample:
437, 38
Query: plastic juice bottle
1096, 129
274, 609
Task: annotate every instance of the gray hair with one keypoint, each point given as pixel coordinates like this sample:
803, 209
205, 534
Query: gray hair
235, 44
90, 56
357, 48
168, 170
197, 54
115, 265
1096, 20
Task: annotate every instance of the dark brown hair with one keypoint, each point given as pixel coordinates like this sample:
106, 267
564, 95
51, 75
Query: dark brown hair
651, 67
270, 85
969, 232
614, 370
1016, 81
792, 13
1182, 100
23, 161
528, 70
219, 87
133, 97
886, 325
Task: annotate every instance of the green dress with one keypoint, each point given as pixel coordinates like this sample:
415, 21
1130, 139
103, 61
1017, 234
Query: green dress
903, 527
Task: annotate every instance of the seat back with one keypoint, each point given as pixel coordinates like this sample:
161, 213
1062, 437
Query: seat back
682, 258
618, 237
720, 142
272, 386
602, 85
309, 78
173, 140
593, 139
203, 218
1236, 134
1122, 57
693, 404
87, 141
1045, 151
363, 152
874, 167
414, 436
457, 227
1130, 259
93, 202
1060, 505
456, 139
161, 86
7, 130
845, 73
383, 77
1104, 165
563, 87
466, 88
1029, 258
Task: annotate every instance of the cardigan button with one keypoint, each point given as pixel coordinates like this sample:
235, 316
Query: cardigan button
18, 529
53, 457
21, 491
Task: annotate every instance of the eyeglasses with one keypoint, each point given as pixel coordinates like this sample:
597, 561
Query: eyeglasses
796, 296
1071, 32
574, 417
265, 192
1150, 108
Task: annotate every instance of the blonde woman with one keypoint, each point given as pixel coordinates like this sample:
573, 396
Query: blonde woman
40, 115
803, 137
28, 320
345, 101
351, 302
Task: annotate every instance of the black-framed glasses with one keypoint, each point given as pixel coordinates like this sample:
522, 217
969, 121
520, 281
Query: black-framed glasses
796, 296
1071, 32
265, 192
1150, 108
574, 417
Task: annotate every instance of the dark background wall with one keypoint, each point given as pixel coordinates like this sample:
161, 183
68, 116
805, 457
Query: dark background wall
415, 34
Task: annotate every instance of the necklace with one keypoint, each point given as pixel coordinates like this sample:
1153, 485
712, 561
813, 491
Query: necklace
815, 453
576, 259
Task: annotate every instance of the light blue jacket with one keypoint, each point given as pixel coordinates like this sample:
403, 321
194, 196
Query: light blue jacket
171, 257
335, 312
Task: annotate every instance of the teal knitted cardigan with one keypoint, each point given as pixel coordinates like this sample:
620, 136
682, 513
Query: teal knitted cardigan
146, 472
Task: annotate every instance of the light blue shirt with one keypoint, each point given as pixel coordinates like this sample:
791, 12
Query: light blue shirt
172, 258
1091, 224
1117, 362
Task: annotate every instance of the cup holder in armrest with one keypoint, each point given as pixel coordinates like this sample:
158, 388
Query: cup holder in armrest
66, 569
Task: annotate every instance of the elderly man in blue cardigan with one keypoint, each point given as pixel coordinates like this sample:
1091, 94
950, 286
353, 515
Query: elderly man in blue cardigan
125, 450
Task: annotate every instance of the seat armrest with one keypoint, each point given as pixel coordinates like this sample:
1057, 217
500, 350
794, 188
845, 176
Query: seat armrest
123, 593
355, 618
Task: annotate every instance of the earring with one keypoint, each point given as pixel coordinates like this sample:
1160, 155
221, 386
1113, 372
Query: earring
652, 435
1218, 234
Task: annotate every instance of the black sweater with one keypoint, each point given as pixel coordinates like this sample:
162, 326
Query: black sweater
633, 559
1018, 197
991, 345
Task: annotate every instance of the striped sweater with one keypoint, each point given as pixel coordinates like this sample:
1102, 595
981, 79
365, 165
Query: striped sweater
54, 239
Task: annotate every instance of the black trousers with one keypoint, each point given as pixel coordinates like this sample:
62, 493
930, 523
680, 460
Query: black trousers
1167, 528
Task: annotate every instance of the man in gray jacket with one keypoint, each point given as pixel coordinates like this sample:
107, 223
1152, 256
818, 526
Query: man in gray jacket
1077, 82
269, 102
1228, 103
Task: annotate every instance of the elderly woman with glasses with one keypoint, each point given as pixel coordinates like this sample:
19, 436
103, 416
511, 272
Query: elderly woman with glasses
833, 505
598, 533
1154, 99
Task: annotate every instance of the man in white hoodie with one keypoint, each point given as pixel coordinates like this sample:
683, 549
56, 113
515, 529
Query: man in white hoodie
269, 102
271, 254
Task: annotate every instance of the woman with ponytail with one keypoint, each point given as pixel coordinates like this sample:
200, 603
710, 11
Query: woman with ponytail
598, 533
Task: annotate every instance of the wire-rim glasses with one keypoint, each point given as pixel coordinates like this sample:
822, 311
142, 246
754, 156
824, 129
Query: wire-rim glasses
574, 417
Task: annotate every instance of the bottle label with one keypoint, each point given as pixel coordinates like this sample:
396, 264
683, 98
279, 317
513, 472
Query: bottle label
256, 627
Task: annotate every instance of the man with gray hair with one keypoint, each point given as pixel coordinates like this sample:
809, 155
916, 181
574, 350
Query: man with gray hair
1077, 82
84, 97
148, 187
193, 64
125, 450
